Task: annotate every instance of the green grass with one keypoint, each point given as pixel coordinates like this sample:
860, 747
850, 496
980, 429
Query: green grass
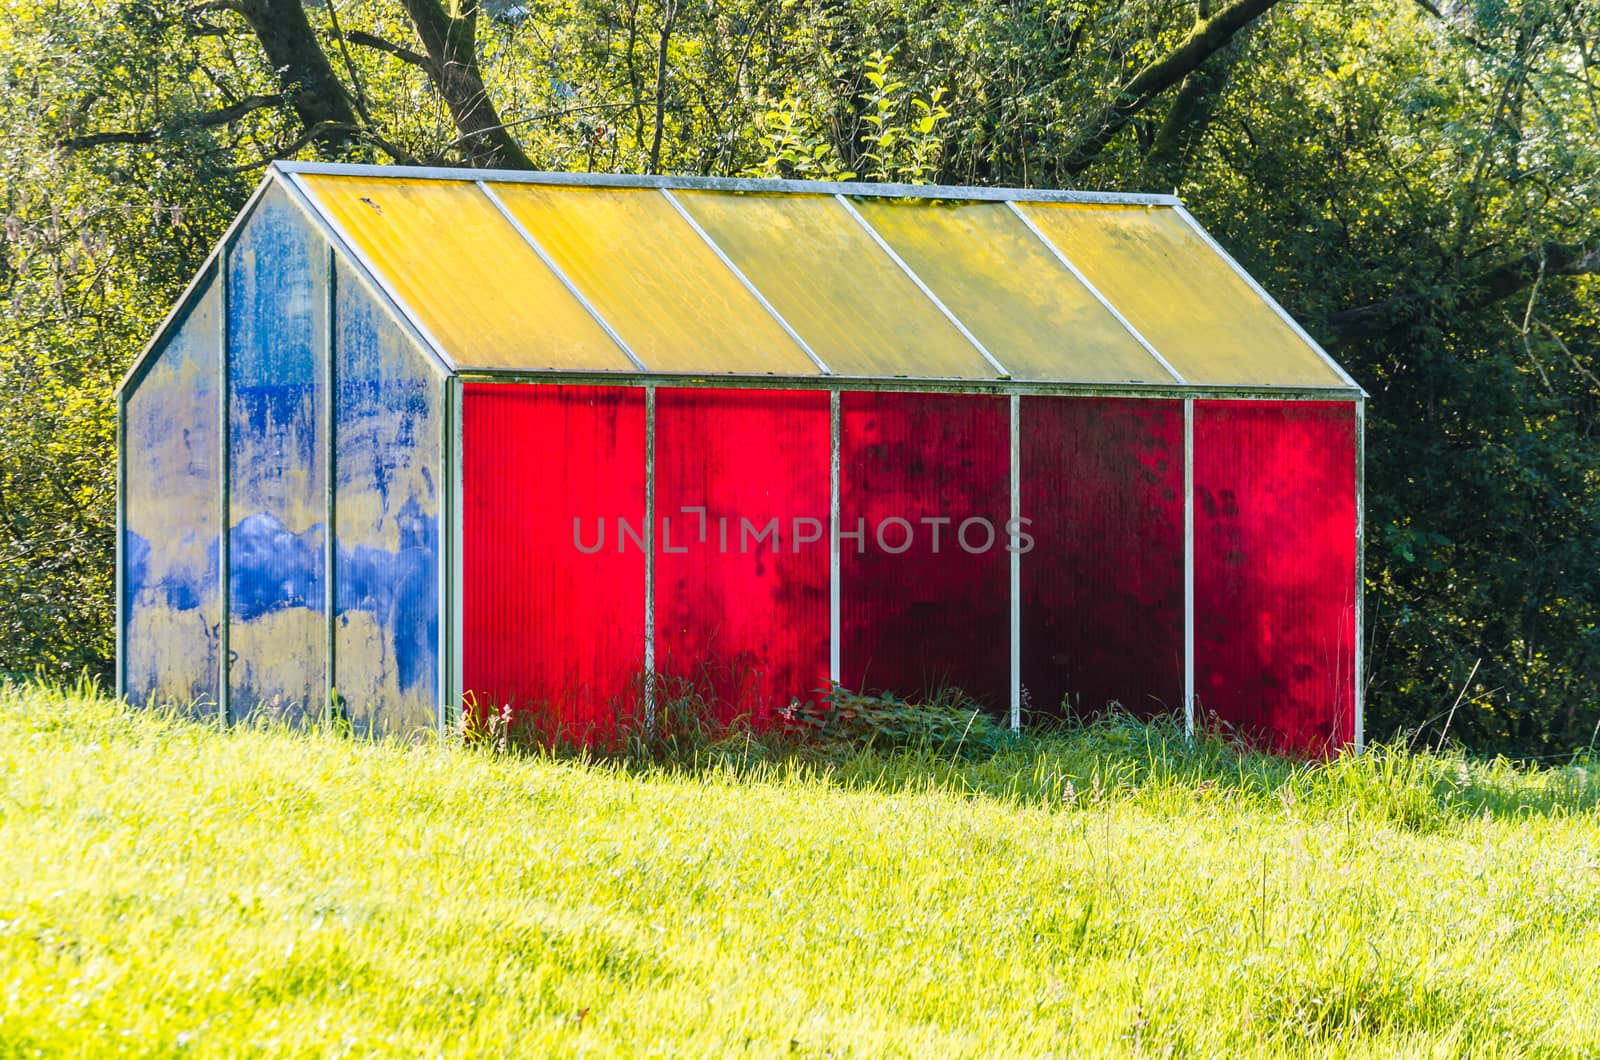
168, 889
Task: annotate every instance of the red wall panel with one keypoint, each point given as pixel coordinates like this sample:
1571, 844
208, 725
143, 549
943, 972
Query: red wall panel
1102, 587
1275, 553
550, 631
925, 618
742, 618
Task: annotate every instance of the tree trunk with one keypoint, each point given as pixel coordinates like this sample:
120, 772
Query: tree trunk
309, 85
451, 43
1206, 39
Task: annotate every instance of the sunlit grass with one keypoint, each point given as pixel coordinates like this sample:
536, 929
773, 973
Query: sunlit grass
165, 888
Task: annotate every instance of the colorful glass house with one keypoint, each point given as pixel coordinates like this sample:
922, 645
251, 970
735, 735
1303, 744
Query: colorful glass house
562, 445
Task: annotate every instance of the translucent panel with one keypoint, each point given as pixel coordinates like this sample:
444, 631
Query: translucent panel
171, 595
472, 280
277, 363
835, 286
654, 280
1102, 587
1275, 574
553, 510
925, 576
1010, 291
387, 409
1182, 297
742, 562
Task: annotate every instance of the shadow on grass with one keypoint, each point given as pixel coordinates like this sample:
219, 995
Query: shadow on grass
946, 744
949, 744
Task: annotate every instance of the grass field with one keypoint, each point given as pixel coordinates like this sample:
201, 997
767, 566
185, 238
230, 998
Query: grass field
166, 889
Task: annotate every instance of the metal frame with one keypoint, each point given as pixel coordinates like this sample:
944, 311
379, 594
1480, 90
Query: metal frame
1272, 303
649, 558
454, 377
736, 184
911, 274
835, 565
225, 500
120, 571
738, 273
1188, 569
841, 192
216, 264
330, 441
560, 274
384, 297
335, 234
120, 397
1077, 274
452, 614
937, 385
1016, 562
382, 294
1360, 698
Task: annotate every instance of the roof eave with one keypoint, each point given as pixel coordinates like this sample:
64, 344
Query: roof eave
733, 184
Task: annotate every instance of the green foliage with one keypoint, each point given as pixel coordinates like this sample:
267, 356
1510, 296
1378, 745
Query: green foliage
1106, 890
93, 249
901, 140
794, 152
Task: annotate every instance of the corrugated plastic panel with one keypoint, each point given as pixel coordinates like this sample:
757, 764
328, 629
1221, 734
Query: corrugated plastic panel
553, 581
654, 280
1011, 292
918, 614
1275, 519
278, 504
1181, 296
171, 590
835, 286
473, 281
1102, 588
742, 560
387, 412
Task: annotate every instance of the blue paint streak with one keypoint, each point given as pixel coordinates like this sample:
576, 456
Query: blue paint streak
274, 569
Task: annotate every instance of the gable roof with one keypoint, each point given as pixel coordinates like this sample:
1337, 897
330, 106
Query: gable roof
516, 272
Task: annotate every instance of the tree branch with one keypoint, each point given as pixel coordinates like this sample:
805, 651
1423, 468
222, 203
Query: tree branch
1203, 41
670, 17
367, 40
208, 120
1192, 108
1484, 289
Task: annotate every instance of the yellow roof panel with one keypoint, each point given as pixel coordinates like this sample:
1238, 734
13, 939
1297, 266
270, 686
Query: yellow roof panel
1010, 291
467, 274
835, 286
1182, 296
654, 280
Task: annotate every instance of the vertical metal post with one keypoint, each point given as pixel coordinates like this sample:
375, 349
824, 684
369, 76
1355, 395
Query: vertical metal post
121, 573
834, 594
1016, 562
452, 635
225, 480
1361, 575
330, 539
1188, 568
450, 694
649, 558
